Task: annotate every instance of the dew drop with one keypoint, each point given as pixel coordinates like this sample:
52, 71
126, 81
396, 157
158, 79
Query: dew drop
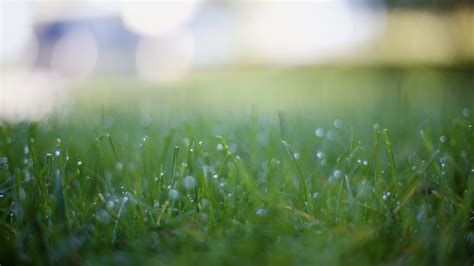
124, 200
386, 195
173, 194
442, 139
320, 155
261, 212
331, 134
26, 149
189, 182
319, 132
337, 173
466, 112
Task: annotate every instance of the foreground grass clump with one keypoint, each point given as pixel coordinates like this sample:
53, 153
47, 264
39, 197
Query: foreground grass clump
330, 167
260, 193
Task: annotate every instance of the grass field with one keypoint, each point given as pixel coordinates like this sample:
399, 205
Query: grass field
260, 167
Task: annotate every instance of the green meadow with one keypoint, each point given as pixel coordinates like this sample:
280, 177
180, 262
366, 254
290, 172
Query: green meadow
251, 166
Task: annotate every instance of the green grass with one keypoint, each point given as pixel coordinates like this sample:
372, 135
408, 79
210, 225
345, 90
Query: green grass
391, 181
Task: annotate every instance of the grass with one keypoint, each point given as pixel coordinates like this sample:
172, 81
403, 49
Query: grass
187, 177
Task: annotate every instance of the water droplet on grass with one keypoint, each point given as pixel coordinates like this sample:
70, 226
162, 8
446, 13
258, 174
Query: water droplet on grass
297, 156
338, 123
57, 153
261, 212
189, 182
4, 160
386, 195
319, 132
124, 200
173, 194
219, 147
337, 173
315, 195
320, 155
442, 139
331, 134
420, 217
466, 112
186, 142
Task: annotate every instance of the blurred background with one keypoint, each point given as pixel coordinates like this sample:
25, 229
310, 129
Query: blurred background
55, 52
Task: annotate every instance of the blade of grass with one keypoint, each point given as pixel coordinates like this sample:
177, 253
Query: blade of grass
298, 169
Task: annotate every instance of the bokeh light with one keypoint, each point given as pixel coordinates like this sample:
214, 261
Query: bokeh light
16, 29
75, 54
166, 58
156, 18
307, 32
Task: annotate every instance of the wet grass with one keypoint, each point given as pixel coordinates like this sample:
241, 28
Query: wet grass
174, 177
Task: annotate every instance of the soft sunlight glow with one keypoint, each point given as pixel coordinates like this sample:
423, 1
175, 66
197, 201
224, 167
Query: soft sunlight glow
166, 58
16, 30
26, 95
75, 54
304, 32
157, 18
